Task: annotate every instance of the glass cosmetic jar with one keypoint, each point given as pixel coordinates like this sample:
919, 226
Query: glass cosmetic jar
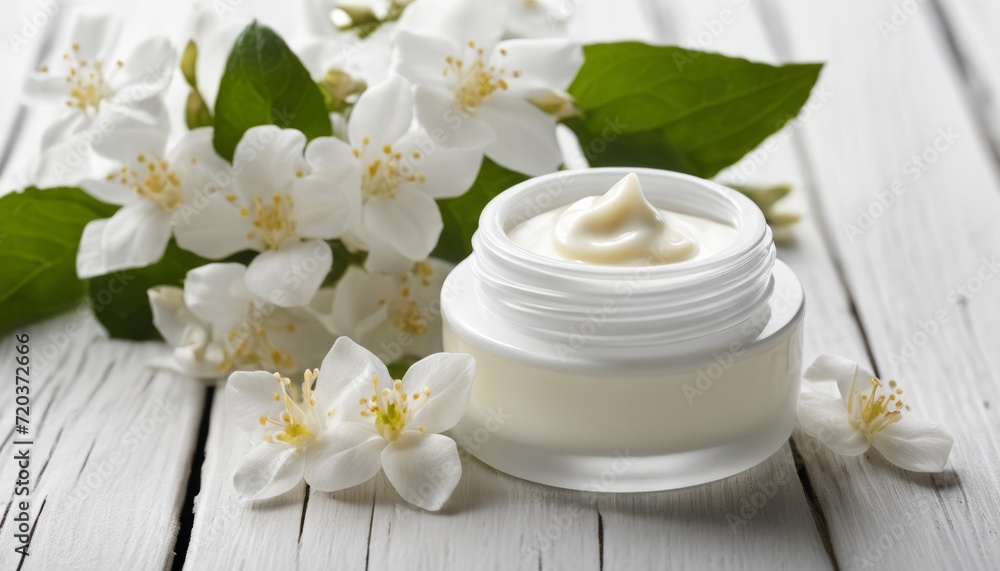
625, 379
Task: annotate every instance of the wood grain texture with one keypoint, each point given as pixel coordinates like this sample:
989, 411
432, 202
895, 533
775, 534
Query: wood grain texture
971, 29
27, 29
896, 97
112, 448
888, 96
228, 532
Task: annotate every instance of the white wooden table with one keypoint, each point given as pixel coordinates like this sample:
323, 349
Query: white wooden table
132, 469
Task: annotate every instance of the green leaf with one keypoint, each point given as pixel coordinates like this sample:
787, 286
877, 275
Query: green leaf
39, 233
461, 214
699, 111
120, 302
266, 84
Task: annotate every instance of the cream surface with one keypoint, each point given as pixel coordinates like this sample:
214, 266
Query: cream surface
621, 228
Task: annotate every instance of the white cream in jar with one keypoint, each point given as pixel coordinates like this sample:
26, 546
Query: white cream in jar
636, 325
621, 228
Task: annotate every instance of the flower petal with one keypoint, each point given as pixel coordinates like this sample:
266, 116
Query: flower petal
382, 114
96, 34
211, 226
543, 64
127, 143
446, 172
334, 160
110, 192
147, 71
290, 275
44, 88
825, 417
134, 237
266, 160
410, 222
268, 470
323, 209
526, 136
249, 396
345, 376
462, 20
188, 335
64, 128
839, 369
344, 456
915, 445
203, 173
357, 297
448, 124
170, 316
384, 258
448, 376
420, 57
299, 330
216, 293
424, 468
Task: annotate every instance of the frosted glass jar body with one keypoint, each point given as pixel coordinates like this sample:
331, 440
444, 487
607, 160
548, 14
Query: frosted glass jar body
637, 379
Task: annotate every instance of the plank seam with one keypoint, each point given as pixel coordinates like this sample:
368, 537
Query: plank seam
186, 523
815, 508
371, 522
22, 111
972, 90
305, 506
31, 535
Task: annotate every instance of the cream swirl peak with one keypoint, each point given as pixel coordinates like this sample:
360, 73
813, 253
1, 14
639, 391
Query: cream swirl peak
621, 228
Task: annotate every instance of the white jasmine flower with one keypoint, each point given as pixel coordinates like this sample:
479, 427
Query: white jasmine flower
392, 315
217, 326
869, 414
93, 85
538, 18
320, 52
286, 427
153, 187
286, 200
476, 91
402, 172
391, 424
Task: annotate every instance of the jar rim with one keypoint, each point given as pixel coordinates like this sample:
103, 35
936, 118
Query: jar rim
496, 219
546, 297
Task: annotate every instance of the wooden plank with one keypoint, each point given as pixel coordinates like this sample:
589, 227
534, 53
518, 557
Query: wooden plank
894, 100
971, 27
228, 532
26, 31
114, 439
782, 534
112, 448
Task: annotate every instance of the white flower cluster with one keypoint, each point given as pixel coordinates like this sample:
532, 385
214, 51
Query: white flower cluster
439, 90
